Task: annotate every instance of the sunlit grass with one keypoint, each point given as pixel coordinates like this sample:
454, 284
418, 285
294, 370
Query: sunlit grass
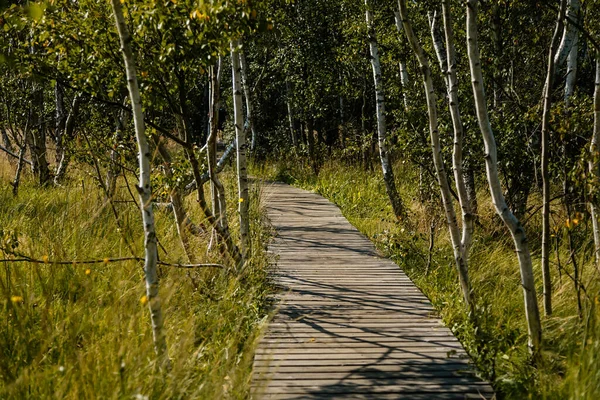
83, 331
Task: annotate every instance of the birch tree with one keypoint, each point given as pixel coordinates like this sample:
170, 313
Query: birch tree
517, 231
240, 138
36, 137
290, 113
382, 141
217, 188
442, 178
67, 133
569, 35
214, 100
461, 177
144, 189
545, 164
594, 164
248, 98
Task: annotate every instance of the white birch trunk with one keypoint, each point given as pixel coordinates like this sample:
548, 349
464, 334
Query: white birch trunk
60, 117
247, 96
570, 33
217, 189
442, 178
144, 189
594, 164
491, 164
386, 165
457, 155
290, 111
438, 43
69, 128
190, 187
404, 78
240, 138
545, 162
571, 71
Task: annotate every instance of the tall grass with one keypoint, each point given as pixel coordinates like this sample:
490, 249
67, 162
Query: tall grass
83, 331
498, 343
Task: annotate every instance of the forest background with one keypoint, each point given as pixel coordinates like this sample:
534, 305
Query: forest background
461, 137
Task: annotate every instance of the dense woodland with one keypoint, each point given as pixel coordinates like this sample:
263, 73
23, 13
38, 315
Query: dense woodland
461, 137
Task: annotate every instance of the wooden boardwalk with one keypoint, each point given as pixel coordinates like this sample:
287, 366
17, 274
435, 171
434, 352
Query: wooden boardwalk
350, 324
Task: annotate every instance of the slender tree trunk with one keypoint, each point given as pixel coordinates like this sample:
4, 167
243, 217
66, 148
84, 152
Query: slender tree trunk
240, 138
222, 231
342, 125
404, 78
571, 71
220, 165
386, 164
219, 202
69, 128
491, 163
248, 97
17, 180
37, 137
61, 119
594, 164
364, 145
144, 189
181, 218
569, 35
438, 43
6, 142
290, 110
496, 25
545, 164
310, 139
457, 155
469, 179
442, 178
211, 144
114, 168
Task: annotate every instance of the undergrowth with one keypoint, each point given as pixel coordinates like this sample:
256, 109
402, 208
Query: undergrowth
83, 331
498, 343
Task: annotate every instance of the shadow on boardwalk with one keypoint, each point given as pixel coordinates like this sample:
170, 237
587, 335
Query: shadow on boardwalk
350, 324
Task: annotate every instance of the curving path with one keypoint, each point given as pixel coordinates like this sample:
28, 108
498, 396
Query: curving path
350, 324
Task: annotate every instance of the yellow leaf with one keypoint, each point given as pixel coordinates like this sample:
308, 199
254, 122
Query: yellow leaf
144, 300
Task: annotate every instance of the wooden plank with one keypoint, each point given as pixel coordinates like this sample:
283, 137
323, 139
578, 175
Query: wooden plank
349, 323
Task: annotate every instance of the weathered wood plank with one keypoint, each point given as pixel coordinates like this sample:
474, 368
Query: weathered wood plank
349, 323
